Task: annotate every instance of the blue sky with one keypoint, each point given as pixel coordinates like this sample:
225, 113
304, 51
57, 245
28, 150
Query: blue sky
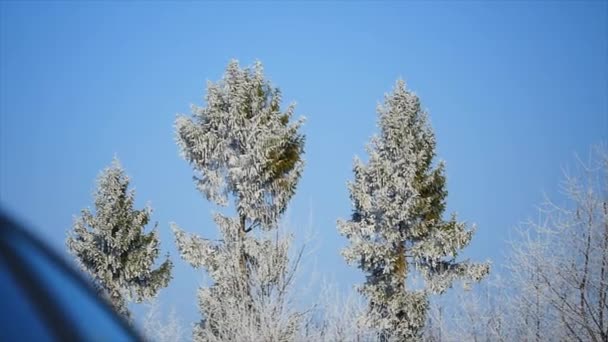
514, 90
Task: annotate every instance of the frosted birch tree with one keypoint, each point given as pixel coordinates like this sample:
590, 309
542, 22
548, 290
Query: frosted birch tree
157, 327
555, 282
397, 229
482, 314
112, 246
336, 318
244, 149
559, 264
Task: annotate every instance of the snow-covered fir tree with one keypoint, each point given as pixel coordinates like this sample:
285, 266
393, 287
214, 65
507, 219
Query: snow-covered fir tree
245, 149
397, 231
112, 246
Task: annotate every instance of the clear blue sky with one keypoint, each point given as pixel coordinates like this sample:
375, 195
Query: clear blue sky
513, 89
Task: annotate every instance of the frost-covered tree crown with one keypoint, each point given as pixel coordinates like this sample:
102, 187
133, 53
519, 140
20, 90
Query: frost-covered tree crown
397, 226
243, 147
243, 144
112, 246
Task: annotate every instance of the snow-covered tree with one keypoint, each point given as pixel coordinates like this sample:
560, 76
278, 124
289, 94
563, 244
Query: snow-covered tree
555, 283
157, 327
397, 230
112, 246
243, 148
482, 314
559, 263
336, 318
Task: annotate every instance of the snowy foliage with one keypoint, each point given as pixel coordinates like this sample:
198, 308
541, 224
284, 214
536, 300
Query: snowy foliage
477, 315
112, 246
242, 144
560, 261
555, 285
397, 226
250, 305
243, 147
157, 328
336, 318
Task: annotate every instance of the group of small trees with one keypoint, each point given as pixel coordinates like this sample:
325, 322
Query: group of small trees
246, 150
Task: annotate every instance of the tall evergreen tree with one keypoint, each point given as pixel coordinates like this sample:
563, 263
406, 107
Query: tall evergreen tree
242, 147
113, 247
397, 231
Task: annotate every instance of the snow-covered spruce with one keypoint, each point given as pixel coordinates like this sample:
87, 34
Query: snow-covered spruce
397, 226
243, 148
112, 246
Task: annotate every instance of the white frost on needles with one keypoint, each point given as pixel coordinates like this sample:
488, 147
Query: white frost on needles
112, 246
397, 227
242, 147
